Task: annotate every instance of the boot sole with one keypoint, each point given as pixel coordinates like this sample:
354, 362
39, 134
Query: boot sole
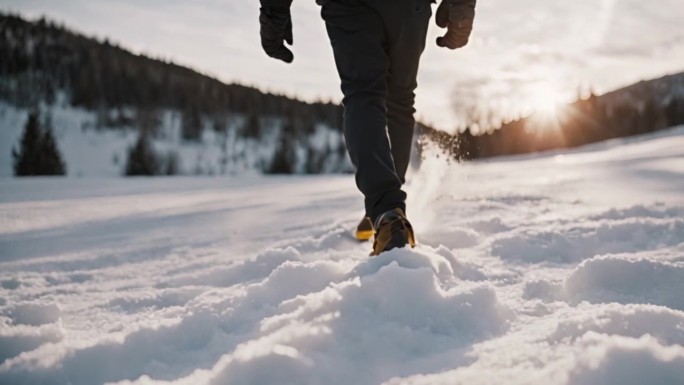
364, 235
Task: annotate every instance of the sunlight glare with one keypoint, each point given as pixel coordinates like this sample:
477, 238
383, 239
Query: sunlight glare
545, 99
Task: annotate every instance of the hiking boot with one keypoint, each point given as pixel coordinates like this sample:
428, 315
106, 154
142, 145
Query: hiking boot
392, 230
364, 231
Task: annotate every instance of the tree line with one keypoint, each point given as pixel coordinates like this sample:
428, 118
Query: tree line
638, 109
41, 58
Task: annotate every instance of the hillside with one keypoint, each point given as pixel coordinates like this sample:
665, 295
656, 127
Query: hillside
89, 87
43, 58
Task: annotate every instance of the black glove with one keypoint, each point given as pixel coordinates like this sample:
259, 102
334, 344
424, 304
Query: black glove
276, 27
457, 16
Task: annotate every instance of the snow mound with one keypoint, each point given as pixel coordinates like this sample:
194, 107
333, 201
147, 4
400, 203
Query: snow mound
136, 301
592, 344
616, 231
27, 326
616, 278
32, 313
642, 211
321, 337
16, 340
613, 279
443, 263
666, 325
328, 241
249, 270
627, 361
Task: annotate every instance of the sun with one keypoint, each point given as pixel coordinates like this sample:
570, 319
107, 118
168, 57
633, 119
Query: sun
544, 105
544, 99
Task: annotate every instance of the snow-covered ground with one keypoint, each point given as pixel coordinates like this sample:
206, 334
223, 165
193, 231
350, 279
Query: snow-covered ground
564, 268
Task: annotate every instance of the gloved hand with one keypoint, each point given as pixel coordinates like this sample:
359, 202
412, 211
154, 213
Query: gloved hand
276, 28
457, 16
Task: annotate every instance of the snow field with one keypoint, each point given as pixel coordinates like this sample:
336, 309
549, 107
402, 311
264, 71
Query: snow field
523, 275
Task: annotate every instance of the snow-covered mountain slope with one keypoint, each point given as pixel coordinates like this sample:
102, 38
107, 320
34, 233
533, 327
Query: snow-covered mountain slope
89, 151
556, 269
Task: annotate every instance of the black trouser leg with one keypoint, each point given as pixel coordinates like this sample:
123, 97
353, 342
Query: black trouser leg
377, 45
408, 46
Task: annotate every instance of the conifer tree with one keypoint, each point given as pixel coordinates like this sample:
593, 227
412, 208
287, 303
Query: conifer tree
51, 161
284, 156
38, 153
142, 159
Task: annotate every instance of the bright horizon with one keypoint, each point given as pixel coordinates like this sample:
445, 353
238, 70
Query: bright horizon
521, 49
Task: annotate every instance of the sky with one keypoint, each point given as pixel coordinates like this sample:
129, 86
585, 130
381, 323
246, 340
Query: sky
522, 54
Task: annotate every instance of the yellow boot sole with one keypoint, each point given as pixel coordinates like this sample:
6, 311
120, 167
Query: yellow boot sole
364, 235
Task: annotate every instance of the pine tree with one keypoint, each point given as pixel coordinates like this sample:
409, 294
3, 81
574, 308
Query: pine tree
38, 153
26, 159
284, 156
142, 159
52, 163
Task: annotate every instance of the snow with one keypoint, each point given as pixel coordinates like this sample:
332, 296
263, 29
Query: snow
562, 268
89, 151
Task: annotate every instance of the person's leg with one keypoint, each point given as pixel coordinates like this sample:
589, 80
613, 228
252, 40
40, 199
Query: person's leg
359, 41
407, 30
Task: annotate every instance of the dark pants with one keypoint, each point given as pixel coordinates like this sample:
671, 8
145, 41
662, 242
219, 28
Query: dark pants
377, 46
